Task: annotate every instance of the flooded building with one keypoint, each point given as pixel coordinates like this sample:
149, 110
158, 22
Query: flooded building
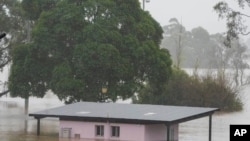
130, 122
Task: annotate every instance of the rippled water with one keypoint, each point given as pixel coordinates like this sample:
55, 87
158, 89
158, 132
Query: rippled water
12, 121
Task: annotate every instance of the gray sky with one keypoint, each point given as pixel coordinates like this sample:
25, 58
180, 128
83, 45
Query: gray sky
192, 13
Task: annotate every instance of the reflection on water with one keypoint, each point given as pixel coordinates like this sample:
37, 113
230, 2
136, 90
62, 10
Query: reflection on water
12, 121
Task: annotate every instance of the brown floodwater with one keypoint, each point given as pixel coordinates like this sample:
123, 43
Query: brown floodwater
12, 121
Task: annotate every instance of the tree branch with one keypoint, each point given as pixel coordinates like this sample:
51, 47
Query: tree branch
4, 93
242, 14
244, 33
5, 63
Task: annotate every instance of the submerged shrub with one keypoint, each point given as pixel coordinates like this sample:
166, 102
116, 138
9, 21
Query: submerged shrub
202, 91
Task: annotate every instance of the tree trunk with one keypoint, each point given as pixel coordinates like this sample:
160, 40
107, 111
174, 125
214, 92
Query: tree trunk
26, 112
26, 102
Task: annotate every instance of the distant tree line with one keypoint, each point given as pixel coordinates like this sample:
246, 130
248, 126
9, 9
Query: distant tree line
198, 47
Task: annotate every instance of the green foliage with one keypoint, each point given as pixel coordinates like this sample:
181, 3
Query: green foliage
33, 8
185, 90
27, 75
13, 25
78, 47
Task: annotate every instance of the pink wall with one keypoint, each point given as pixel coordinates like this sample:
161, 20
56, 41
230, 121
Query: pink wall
158, 132
155, 132
131, 132
85, 129
128, 132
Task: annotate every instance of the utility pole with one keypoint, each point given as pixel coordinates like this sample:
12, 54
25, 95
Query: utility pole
26, 101
143, 3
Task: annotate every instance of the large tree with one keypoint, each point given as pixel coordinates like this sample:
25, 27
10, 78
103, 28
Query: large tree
235, 19
78, 47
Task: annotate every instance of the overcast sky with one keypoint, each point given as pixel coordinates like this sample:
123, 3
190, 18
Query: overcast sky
192, 13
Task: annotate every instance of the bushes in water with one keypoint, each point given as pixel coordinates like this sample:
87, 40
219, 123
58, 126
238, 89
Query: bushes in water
202, 91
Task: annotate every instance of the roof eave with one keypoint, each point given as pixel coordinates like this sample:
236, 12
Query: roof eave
195, 116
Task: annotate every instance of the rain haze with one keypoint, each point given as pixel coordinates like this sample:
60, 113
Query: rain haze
192, 13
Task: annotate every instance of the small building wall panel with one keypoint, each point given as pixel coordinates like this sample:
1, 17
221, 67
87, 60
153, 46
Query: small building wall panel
155, 132
86, 130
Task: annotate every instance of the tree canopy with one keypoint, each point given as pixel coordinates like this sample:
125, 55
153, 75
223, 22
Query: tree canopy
78, 47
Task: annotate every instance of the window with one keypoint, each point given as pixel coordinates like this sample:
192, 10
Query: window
115, 131
99, 130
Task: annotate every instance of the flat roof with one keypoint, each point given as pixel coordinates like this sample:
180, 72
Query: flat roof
126, 113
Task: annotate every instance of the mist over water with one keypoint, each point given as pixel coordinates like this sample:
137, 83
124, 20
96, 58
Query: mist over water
12, 121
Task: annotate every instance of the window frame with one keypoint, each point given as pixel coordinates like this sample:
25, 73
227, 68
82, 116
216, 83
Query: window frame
99, 130
115, 131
